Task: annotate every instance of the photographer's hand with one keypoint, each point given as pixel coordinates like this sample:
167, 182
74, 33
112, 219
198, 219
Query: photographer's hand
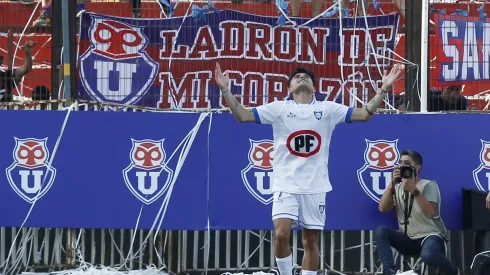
409, 185
395, 176
386, 202
488, 201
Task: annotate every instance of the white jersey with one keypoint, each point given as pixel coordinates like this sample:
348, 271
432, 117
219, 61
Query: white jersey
302, 134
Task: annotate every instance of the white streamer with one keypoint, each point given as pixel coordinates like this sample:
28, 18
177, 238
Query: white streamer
50, 161
186, 143
172, 53
208, 229
371, 46
20, 39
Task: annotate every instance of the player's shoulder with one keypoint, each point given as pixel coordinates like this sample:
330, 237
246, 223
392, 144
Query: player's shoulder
324, 104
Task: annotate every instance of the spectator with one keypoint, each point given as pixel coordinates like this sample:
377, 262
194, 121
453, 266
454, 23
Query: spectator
317, 6
449, 99
401, 6
41, 93
44, 18
10, 78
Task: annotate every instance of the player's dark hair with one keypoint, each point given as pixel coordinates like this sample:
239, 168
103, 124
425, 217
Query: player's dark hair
416, 156
301, 70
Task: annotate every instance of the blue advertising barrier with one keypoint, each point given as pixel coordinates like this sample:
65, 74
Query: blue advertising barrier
112, 169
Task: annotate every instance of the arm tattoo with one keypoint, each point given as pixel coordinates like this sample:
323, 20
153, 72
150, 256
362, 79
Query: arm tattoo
236, 108
374, 103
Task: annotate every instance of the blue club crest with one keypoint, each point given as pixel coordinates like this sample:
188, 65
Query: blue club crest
321, 208
30, 175
380, 158
318, 114
116, 68
480, 173
258, 175
147, 176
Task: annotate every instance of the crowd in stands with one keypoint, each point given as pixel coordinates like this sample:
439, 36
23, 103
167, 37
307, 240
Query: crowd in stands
445, 99
44, 18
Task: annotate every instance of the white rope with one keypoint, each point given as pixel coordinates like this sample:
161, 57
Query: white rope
49, 165
284, 14
172, 53
320, 15
18, 42
374, 52
186, 143
162, 9
208, 229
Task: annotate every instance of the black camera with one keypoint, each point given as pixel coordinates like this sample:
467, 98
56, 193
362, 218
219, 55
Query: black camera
406, 172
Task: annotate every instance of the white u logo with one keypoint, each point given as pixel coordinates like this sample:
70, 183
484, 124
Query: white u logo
142, 182
24, 180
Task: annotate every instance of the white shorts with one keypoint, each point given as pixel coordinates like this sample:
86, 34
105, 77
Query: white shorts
307, 210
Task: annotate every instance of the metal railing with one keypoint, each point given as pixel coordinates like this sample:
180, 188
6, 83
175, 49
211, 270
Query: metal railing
191, 251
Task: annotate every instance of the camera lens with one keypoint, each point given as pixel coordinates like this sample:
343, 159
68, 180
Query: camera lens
406, 172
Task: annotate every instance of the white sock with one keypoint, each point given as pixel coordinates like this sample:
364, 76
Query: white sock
285, 265
308, 272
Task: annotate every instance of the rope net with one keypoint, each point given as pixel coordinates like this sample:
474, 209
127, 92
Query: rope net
160, 55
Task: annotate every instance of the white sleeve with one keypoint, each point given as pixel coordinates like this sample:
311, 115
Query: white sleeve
338, 113
268, 113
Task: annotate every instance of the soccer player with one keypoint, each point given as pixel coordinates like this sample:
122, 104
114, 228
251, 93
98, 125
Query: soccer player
302, 130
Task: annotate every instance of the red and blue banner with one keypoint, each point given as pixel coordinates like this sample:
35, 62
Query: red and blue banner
169, 63
462, 49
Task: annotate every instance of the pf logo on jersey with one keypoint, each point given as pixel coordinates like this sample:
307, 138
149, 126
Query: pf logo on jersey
481, 175
124, 71
380, 158
258, 175
304, 143
30, 175
147, 176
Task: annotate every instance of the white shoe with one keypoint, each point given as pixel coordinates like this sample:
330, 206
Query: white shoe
410, 272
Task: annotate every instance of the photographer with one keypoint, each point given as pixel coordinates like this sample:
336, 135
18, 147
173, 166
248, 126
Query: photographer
417, 206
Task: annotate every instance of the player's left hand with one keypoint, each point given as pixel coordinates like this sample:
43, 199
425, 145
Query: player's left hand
390, 78
409, 184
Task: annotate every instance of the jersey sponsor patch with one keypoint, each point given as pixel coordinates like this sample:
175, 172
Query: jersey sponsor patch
304, 143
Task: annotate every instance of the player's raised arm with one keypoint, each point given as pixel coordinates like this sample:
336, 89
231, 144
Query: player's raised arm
241, 113
365, 114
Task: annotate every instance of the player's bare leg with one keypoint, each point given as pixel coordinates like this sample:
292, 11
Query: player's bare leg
311, 255
401, 6
282, 228
295, 5
317, 7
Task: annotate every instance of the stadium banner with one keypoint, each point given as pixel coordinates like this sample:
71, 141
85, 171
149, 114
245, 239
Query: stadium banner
108, 170
463, 55
112, 169
169, 63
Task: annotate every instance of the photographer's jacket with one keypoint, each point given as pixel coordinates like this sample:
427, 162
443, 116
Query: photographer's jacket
419, 225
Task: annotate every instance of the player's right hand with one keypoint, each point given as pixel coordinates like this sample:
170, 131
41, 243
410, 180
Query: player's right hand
395, 175
222, 79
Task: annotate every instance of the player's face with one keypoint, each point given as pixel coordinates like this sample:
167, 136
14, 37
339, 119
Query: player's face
301, 82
